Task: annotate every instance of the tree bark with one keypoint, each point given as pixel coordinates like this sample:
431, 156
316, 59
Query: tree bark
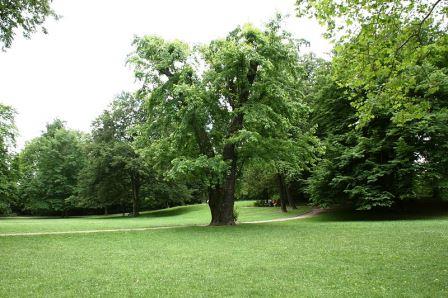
135, 207
135, 182
135, 185
225, 207
214, 202
291, 202
282, 191
221, 199
283, 205
227, 216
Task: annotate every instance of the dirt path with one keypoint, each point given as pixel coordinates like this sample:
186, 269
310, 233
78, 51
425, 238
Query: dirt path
309, 214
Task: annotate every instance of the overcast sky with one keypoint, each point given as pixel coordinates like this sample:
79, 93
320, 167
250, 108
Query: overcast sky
74, 71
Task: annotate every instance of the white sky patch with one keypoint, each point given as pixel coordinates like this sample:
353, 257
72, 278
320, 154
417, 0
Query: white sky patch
76, 70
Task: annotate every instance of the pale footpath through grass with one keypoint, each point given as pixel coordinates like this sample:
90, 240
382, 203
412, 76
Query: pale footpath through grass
330, 255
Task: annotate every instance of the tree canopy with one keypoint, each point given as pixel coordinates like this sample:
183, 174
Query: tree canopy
248, 116
49, 167
114, 170
213, 108
8, 171
24, 16
382, 48
389, 79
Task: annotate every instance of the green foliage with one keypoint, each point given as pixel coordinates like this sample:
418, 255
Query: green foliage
381, 163
214, 108
116, 176
382, 48
102, 182
114, 171
386, 90
49, 168
8, 171
248, 116
25, 16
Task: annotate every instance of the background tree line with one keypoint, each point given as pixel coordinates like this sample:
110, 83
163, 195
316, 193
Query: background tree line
249, 116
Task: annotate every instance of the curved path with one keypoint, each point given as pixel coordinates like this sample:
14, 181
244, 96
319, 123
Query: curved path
309, 214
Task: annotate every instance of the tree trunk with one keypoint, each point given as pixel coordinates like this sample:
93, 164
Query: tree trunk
230, 155
283, 205
225, 209
135, 207
282, 191
214, 202
227, 216
105, 210
135, 183
221, 200
291, 202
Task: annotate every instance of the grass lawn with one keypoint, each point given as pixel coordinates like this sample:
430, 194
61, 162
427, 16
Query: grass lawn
184, 215
329, 255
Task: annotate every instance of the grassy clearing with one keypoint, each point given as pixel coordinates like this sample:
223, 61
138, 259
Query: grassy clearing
330, 255
184, 215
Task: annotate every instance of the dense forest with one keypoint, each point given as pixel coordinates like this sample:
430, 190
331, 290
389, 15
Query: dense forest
250, 116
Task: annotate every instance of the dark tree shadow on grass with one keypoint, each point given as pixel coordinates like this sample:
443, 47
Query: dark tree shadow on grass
412, 212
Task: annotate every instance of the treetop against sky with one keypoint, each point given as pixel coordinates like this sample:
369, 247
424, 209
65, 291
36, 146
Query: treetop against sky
76, 69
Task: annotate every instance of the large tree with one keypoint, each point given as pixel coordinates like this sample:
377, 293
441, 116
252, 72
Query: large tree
209, 106
388, 84
25, 16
